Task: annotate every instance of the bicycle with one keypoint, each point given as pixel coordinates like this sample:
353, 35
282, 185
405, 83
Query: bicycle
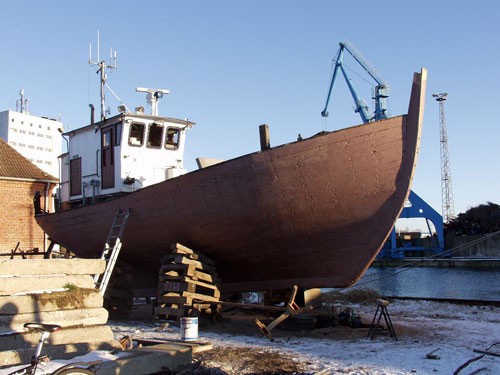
69, 369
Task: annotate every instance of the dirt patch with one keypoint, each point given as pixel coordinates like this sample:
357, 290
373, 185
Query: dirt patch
246, 361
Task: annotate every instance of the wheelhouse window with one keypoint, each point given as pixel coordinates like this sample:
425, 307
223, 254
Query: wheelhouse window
172, 138
155, 136
136, 135
118, 133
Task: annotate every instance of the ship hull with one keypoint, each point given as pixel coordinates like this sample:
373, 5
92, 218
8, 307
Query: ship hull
312, 213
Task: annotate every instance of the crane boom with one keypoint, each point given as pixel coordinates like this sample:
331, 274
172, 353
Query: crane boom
381, 90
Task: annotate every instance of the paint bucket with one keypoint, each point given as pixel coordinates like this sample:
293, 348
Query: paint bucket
189, 329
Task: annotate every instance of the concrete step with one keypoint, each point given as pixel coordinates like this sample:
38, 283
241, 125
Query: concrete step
65, 318
78, 299
15, 357
19, 284
73, 266
29, 339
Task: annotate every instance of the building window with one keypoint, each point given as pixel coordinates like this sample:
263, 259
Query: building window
48, 149
32, 147
155, 136
40, 126
40, 135
48, 127
22, 122
14, 130
48, 162
31, 124
172, 138
136, 136
13, 143
47, 136
31, 133
11, 120
22, 145
22, 131
39, 148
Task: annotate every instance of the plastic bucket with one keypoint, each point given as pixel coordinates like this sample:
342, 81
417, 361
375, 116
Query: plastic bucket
189, 329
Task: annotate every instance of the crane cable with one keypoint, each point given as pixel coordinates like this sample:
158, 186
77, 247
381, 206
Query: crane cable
414, 264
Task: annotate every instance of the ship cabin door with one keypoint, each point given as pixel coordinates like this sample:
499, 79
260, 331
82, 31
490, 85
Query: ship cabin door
107, 158
75, 176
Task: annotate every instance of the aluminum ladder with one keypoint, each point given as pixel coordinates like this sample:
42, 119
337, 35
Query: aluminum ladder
112, 249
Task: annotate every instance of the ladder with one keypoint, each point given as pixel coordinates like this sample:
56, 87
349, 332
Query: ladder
112, 249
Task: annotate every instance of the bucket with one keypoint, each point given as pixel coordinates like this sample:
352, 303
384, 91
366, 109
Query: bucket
189, 329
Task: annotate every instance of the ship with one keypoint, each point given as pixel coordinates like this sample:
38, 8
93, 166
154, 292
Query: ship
313, 213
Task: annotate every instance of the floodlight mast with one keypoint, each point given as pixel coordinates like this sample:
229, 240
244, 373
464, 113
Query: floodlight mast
153, 96
102, 66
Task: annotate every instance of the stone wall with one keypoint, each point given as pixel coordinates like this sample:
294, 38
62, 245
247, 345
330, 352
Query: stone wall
488, 248
51, 291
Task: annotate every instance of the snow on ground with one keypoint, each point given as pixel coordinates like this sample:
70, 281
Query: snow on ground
422, 326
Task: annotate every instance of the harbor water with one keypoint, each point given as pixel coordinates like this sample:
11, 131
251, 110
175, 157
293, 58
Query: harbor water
433, 282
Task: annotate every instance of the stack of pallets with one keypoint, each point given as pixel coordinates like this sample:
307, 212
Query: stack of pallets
188, 284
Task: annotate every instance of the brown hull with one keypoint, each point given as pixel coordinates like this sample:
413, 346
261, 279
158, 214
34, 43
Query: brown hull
313, 213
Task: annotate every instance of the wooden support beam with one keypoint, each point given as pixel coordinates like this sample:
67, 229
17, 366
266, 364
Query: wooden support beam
265, 143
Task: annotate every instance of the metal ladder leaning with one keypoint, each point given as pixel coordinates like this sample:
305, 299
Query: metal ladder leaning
112, 249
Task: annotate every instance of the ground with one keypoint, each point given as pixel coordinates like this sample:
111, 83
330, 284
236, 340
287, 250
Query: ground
452, 331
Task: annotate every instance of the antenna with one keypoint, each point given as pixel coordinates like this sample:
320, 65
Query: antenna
153, 96
102, 66
448, 207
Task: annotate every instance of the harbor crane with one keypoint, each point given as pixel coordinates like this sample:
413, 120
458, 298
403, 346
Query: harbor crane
381, 90
416, 207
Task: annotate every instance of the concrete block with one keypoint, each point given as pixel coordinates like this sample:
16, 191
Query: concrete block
29, 339
73, 266
78, 299
65, 318
14, 357
149, 360
18, 284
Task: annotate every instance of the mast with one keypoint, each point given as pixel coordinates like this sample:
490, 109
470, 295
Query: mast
102, 71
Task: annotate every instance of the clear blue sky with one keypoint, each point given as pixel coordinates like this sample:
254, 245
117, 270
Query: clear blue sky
233, 65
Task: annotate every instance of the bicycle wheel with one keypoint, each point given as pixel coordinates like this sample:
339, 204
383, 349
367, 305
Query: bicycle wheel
76, 371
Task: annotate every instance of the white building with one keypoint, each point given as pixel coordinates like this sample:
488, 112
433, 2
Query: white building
36, 138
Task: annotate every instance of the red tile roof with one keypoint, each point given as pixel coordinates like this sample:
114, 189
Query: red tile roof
14, 165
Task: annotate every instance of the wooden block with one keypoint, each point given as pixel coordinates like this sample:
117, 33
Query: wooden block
181, 248
175, 300
180, 269
169, 311
174, 286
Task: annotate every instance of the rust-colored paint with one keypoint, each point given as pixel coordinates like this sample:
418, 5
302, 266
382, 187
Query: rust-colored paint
313, 213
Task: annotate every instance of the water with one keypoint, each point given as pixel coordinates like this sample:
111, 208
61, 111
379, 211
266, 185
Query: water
434, 282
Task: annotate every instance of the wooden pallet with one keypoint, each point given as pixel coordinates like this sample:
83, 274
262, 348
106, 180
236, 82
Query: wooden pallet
188, 283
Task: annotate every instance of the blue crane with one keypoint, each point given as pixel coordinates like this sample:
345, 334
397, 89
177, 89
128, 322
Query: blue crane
381, 90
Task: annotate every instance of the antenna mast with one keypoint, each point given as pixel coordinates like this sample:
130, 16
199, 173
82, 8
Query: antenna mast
448, 207
102, 66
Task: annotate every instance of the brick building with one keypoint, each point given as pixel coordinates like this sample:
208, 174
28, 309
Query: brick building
19, 180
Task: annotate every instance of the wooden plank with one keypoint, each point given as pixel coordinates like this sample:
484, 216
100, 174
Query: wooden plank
196, 347
202, 297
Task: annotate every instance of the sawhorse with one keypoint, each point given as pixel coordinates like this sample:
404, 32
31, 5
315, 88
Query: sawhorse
375, 329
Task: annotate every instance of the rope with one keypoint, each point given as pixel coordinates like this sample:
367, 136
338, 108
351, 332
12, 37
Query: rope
414, 264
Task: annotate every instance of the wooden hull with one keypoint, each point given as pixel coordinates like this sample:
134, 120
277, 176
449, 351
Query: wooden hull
313, 213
